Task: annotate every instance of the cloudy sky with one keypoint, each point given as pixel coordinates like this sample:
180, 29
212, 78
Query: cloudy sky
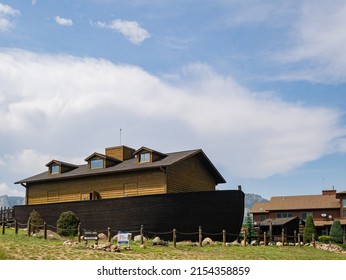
258, 85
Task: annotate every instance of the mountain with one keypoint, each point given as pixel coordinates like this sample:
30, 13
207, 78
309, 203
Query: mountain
251, 199
10, 201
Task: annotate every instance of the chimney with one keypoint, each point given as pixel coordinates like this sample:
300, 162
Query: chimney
328, 192
120, 152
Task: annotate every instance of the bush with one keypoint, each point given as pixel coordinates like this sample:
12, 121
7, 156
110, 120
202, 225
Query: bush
336, 232
35, 221
324, 239
309, 229
67, 224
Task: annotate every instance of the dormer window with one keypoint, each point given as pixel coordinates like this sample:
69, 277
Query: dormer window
148, 155
96, 163
55, 169
59, 167
144, 157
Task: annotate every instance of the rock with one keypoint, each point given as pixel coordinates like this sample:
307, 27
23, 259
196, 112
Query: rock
261, 243
114, 248
138, 238
254, 243
142, 246
207, 241
156, 239
271, 243
291, 244
114, 238
102, 236
279, 243
235, 243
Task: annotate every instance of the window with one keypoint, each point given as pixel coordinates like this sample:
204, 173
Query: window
344, 213
145, 157
305, 214
55, 169
344, 202
96, 163
284, 215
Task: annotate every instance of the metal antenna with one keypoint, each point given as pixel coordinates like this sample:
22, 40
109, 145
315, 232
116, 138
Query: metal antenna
120, 136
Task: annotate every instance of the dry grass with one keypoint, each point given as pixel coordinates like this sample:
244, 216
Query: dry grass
21, 247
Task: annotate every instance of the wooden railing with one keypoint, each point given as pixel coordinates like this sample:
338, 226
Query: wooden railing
6, 214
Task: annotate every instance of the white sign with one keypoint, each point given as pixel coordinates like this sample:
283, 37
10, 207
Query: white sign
123, 237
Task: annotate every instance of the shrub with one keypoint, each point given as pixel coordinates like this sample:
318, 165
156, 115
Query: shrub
67, 224
35, 221
336, 232
309, 229
324, 239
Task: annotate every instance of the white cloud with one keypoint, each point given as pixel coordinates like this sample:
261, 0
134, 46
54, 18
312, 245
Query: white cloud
130, 29
318, 43
8, 10
69, 100
6, 17
63, 21
6, 190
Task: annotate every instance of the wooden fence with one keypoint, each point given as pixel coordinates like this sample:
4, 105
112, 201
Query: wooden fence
6, 214
174, 233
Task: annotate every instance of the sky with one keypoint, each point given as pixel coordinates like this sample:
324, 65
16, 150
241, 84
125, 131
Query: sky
259, 86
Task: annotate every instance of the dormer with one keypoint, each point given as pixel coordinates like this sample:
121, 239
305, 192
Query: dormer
59, 167
145, 155
99, 161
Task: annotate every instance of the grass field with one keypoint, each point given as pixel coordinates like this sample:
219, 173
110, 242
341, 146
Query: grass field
21, 247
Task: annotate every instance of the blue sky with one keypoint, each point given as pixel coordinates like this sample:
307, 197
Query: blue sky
258, 85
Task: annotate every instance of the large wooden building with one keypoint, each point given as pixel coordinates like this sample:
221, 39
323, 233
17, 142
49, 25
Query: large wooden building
122, 172
125, 188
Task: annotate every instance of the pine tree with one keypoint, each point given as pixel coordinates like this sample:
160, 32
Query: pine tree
309, 229
336, 232
248, 224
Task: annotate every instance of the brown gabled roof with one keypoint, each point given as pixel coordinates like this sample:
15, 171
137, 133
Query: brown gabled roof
128, 166
259, 207
277, 221
54, 161
101, 156
282, 203
149, 150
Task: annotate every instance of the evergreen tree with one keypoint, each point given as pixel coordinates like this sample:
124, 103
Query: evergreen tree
336, 232
309, 229
248, 224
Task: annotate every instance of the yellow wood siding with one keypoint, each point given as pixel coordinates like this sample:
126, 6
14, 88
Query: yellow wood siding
120, 152
189, 176
108, 186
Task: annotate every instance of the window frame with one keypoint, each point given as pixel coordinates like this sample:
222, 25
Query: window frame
306, 214
99, 163
284, 215
343, 201
55, 169
144, 157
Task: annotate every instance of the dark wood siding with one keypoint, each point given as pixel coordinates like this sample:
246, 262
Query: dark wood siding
214, 211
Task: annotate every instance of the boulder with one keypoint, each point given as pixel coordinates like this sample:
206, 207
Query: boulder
138, 238
102, 236
207, 241
279, 243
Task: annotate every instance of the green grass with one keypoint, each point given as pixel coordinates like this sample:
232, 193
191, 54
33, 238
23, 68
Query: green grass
22, 247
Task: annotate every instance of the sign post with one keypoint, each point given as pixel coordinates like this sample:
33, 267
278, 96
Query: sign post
90, 235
